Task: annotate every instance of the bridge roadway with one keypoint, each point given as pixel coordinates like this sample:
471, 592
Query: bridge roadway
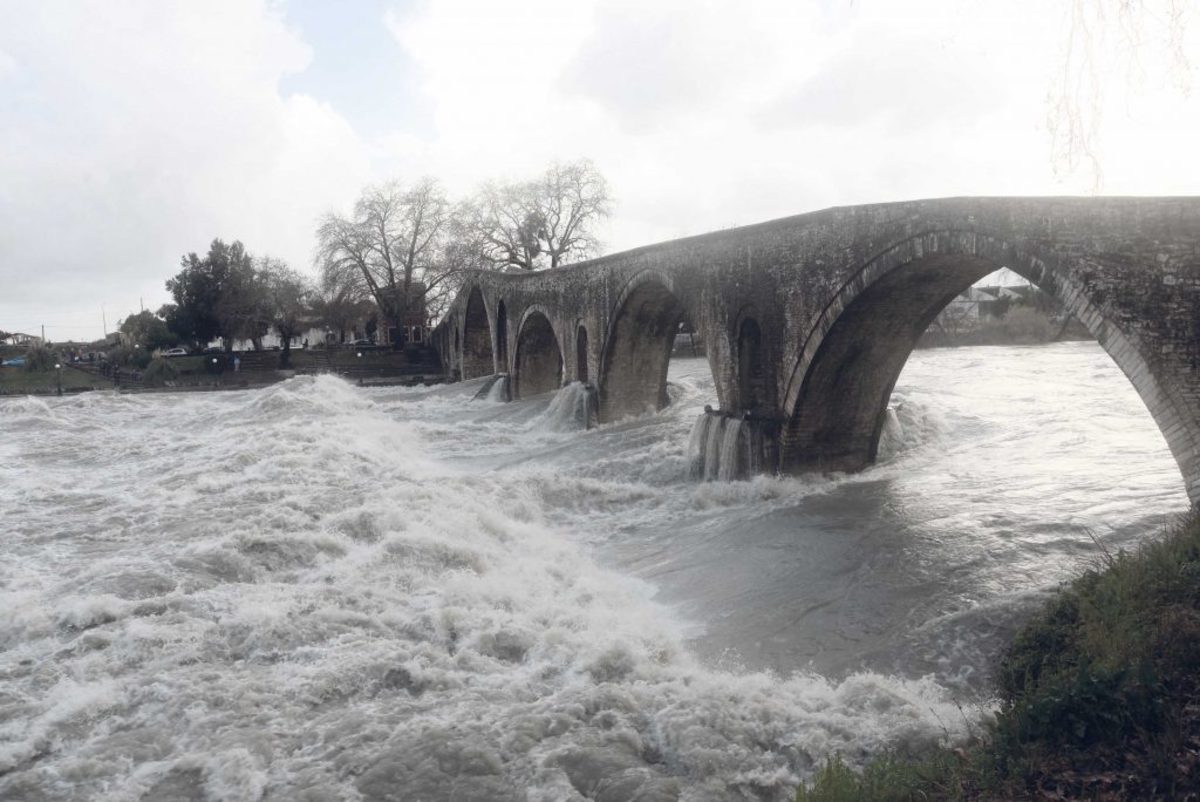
808, 320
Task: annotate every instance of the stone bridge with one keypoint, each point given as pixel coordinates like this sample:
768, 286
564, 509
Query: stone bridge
808, 320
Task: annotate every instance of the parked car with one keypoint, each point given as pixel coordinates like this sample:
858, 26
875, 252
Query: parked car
15, 362
175, 352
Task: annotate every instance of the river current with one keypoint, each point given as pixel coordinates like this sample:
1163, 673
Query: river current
316, 591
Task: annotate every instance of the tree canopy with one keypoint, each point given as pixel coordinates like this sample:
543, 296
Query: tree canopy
287, 300
543, 223
231, 295
148, 330
209, 294
390, 248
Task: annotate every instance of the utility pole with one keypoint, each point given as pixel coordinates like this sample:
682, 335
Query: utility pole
43, 334
104, 321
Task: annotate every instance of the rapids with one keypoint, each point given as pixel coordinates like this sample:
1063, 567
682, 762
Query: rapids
320, 592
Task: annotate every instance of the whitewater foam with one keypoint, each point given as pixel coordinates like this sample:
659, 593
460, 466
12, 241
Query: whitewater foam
332, 611
317, 591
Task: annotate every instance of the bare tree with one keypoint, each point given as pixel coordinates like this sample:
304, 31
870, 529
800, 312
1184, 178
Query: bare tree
1126, 29
572, 198
390, 248
339, 307
504, 225
287, 298
542, 223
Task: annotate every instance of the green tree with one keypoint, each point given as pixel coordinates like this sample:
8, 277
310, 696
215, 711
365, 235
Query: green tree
211, 296
243, 310
148, 330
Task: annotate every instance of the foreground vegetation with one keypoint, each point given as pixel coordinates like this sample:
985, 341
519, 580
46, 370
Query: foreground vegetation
1099, 698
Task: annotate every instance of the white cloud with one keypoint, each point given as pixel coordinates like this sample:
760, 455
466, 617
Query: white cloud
140, 130
145, 130
8, 65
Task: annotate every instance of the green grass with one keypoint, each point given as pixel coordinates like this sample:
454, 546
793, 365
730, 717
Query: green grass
1099, 697
18, 381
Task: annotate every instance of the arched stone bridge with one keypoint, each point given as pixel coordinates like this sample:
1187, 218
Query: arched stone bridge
808, 320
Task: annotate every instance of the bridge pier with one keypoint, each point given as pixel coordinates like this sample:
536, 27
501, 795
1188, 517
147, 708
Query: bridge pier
725, 446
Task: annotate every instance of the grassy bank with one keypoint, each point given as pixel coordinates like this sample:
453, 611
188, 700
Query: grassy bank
15, 381
1099, 698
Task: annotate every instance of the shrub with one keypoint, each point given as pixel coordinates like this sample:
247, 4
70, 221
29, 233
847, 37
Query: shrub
159, 372
125, 355
1025, 325
39, 359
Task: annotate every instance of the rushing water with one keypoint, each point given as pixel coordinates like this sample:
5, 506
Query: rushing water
321, 592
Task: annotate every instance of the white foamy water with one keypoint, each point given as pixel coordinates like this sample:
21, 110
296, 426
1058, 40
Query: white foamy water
321, 592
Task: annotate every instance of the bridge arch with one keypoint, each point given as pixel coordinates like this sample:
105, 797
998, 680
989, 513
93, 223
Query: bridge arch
538, 366
837, 394
753, 365
581, 352
476, 338
502, 365
641, 333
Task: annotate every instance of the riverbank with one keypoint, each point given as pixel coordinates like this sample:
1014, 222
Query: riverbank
1021, 326
253, 369
1099, 697
16, 381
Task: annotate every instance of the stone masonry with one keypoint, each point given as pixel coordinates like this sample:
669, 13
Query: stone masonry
808, 320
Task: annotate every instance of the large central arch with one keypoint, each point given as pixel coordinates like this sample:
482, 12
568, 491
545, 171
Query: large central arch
633, 365
538, 365
476, 339
837, 396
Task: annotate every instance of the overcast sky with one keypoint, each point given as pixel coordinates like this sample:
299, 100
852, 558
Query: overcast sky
132, 132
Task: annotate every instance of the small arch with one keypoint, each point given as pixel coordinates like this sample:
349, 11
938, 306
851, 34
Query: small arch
753, 381
633, 365
581, 353
476, 338
539, 363
501, 338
